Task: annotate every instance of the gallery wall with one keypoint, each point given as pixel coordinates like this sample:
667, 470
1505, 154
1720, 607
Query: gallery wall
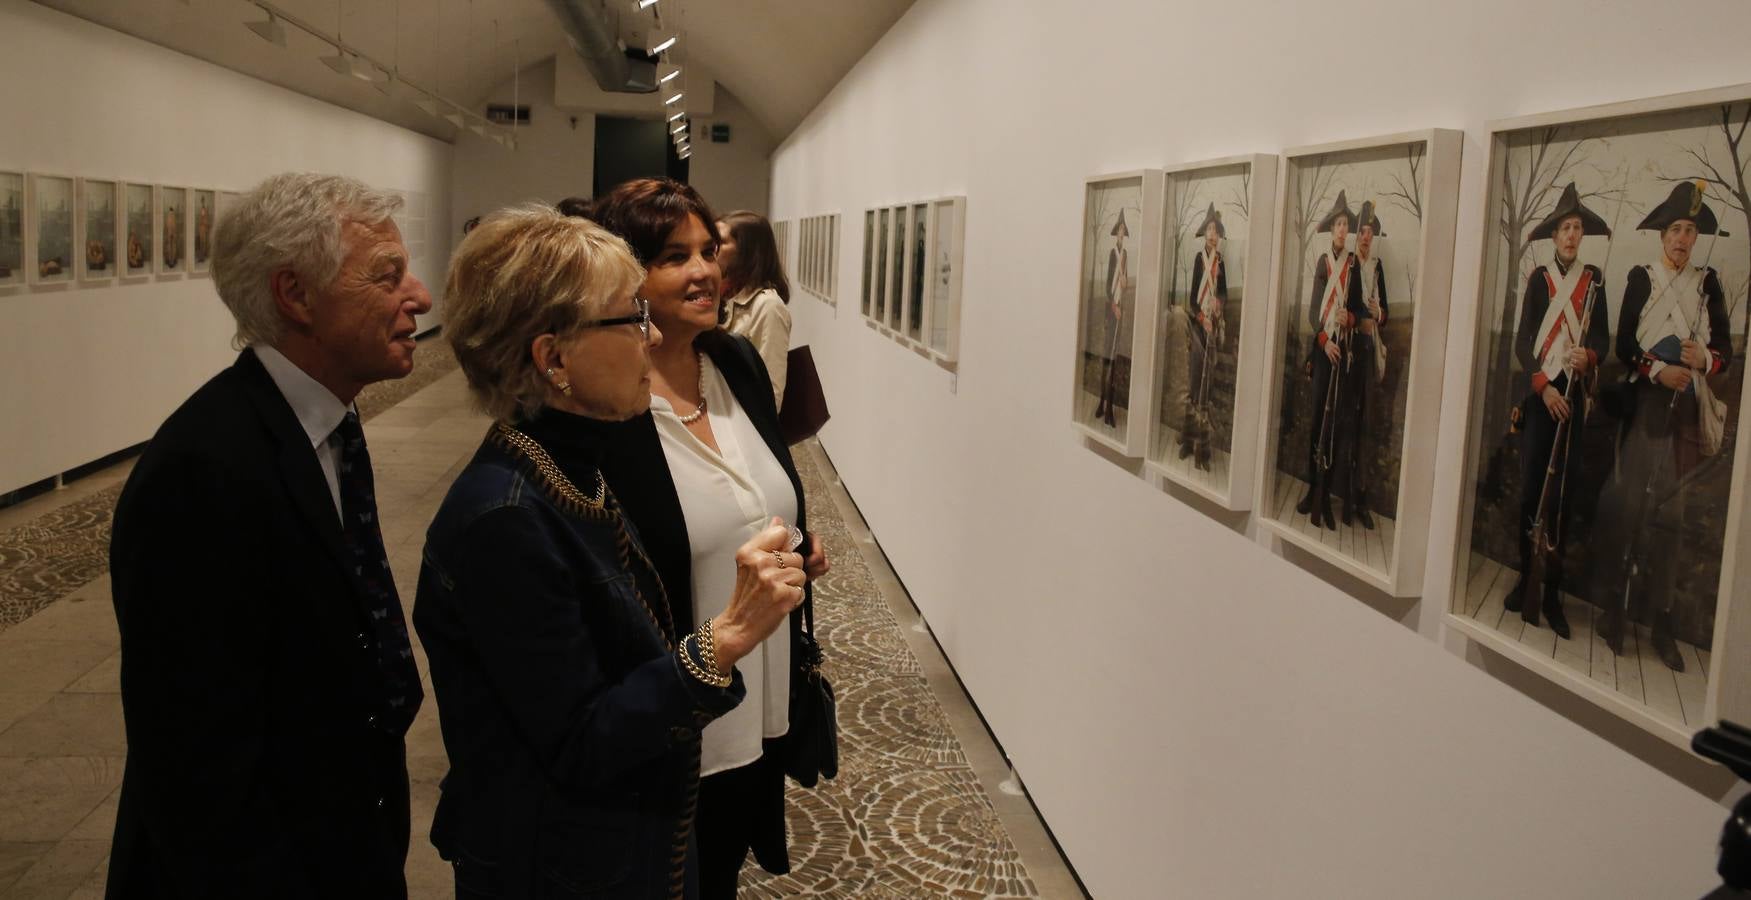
555, 156
1194, 712
735, 174
88, 371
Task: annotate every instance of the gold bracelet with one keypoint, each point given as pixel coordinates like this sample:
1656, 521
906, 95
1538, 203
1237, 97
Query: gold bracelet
693, 668
707, 643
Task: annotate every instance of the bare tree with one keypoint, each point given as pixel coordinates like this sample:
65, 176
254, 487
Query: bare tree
1407, 194
1242, 200
1184, 201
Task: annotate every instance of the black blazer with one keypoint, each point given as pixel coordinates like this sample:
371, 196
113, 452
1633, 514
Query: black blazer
248, 674
635, 466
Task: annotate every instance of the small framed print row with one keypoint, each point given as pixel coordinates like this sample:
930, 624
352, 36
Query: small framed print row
58, 229
817, 265
781, 237
1318, 401
911, 275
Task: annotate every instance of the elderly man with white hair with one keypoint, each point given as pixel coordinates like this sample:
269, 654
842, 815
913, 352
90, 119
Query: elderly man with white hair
267, 678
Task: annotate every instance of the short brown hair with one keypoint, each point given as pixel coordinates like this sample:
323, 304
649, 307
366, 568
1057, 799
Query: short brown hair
755, 264
524, 272
645, 211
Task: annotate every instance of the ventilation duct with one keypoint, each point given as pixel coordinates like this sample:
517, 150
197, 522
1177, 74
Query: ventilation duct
586, 26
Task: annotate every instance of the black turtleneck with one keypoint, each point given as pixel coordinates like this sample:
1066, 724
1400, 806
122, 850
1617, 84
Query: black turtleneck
575, 442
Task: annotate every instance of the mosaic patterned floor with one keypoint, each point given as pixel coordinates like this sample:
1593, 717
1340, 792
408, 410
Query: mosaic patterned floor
907, 816
58, 552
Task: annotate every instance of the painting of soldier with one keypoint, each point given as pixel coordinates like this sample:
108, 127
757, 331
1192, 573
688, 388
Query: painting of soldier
11, 228
203, 204
1108, 285
172, 205
1205, 261
1606, 400
53, 206
99, 229
1352, 243
140, 236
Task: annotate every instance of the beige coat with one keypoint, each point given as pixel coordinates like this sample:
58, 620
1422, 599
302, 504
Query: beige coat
762, 318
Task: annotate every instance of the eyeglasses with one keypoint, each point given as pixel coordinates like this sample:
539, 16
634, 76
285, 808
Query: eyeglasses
642, 319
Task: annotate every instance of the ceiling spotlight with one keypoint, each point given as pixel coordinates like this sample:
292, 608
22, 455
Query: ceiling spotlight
671, 100
456, 118
677, 115
669, 77
478, 128
427, 104
386, 86
678, 128
686, 154
646, 4
271, 30
350, 65
684, 147
664, 45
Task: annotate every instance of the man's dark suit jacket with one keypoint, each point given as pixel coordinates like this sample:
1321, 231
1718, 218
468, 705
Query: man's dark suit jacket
248, 673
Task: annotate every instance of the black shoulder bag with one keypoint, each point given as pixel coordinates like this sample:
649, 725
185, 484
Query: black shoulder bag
812, 747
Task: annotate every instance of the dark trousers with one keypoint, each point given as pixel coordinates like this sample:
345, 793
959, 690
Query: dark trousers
732, 804
1537, 436
1642, 508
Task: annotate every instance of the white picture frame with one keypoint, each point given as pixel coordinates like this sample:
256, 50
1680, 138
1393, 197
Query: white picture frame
1639, 150
1390, 558
1229, 479
172, 217
1110, 354
139, 232
942, 299
53, 230
100, 230
14, 229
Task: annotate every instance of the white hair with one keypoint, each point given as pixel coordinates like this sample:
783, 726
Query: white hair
291, 221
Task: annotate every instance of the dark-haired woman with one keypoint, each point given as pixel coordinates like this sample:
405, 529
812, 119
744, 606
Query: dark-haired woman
699, 473
755, 290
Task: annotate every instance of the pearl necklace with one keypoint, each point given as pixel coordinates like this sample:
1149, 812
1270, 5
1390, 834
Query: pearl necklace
692, 417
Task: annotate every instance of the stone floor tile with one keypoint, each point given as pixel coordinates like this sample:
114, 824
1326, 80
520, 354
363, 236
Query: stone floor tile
84, 615
100, 823
15, 705
68, 725
17, 858
62, 871
105, 678
44, 799
37, 665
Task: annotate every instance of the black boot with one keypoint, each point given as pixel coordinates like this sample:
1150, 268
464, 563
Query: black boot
1553, 611
1611, 628
1185, 438
1362, 515
1202, 459
1664, 646
1305, 507
1512, 602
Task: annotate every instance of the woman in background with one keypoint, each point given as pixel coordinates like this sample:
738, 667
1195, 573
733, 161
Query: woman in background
755, 290
699, 473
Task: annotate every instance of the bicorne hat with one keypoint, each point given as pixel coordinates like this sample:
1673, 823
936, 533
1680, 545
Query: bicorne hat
1368, 216
1120, 227
1340, 208
1568, 205
1211, 215
1685, 202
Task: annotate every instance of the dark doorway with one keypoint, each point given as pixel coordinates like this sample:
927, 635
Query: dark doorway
633, 148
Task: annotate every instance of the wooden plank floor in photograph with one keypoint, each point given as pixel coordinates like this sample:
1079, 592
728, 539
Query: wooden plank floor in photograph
1216, 478
1370, 547
1638, 674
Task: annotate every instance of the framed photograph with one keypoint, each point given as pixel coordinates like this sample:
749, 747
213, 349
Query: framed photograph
945, 245
869, 241
879, 290
139, 229
172, 230
1116, 290
99, 229
203, 206
898, 257
12, 219
1603, 523
917, 277
1365, 260
833, 259
1210, 362
53, 209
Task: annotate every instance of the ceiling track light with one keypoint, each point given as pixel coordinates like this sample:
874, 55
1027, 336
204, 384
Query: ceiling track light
670, 42
677, 115
674, 99
271, 30
678, 128
669, 77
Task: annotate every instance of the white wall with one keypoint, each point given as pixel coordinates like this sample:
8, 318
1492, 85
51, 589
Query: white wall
554, 159
86, 371
734, 175
1193, 715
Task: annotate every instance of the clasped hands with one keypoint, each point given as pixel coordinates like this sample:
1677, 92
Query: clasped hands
769, 586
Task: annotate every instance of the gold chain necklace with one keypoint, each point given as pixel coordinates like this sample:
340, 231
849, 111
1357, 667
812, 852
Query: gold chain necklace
550, 470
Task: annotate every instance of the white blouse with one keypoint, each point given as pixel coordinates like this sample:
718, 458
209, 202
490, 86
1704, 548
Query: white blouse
726, 500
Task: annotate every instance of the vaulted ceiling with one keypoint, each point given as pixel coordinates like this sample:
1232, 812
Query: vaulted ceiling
779, 57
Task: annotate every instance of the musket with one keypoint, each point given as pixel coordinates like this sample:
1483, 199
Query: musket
1212, 341
1324, 447
1546, 539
